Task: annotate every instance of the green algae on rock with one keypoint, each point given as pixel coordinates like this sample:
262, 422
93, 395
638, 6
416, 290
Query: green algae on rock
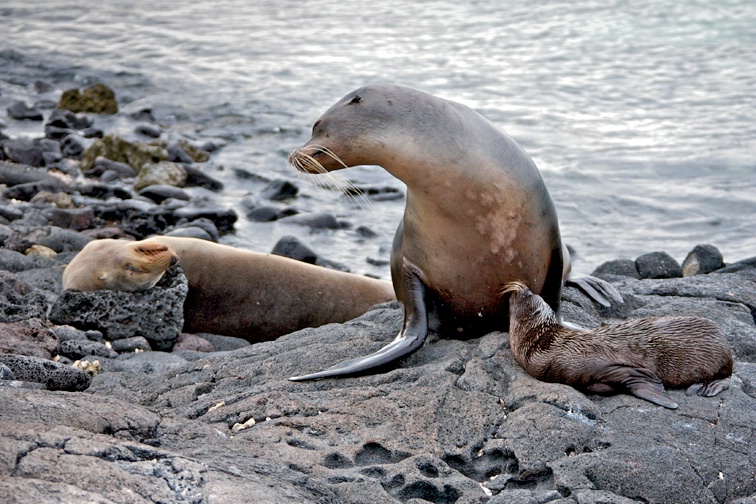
115, 148
98, 98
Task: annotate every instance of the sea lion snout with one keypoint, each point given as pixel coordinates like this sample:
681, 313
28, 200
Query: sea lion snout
310, 158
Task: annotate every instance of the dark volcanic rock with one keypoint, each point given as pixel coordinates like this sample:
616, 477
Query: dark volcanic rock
15, 173
279, 190
198, 178
54, 375
266, 213
25, 151
102, 165
19, 300
149, 130
192, 342
658, 265
159, 193
6, 373
458, 421
144, 363
66, 333
701, 260
317, 220
28, 337
25, 192
293, 248
76, 219
53, 237
131, 344
157, 314
222, 218
21, 111
67, 119
76, 349
191, 232
116, 438
619, 267
224, 343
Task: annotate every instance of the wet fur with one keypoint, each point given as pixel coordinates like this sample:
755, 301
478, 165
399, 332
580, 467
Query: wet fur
640, 356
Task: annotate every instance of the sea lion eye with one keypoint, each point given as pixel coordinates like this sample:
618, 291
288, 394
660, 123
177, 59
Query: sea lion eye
356, 99
314, 126
131, 267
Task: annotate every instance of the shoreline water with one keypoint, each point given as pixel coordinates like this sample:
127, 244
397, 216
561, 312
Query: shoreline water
639, 119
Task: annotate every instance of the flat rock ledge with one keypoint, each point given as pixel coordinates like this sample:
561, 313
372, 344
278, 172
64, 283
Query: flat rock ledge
457, 422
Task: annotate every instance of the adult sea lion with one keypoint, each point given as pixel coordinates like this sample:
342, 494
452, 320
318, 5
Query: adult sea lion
232, 291
477, 216
639, 356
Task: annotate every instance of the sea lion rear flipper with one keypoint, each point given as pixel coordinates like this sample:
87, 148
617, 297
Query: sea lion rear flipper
411, 337
640, 382
709, 389
597, 289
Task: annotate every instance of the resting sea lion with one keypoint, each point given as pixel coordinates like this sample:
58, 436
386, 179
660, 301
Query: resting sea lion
639, 356
478, 214
232, 291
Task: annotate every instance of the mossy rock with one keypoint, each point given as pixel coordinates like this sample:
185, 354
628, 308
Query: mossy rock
162, 173
115, 148
98, 98
197, 155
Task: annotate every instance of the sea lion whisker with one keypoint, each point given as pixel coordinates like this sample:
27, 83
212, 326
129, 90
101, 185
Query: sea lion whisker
330, 153
513, 287
330, 180
346, 186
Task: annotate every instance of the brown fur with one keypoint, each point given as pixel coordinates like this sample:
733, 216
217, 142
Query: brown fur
232, 291
631, 355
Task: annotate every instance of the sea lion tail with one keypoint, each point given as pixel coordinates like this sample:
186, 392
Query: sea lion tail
597, 289
410, 339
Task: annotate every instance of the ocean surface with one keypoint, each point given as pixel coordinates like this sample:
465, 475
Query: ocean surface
640, 115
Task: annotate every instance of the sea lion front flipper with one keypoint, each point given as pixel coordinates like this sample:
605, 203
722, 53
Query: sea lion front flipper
640, 382
411, 337
597, 289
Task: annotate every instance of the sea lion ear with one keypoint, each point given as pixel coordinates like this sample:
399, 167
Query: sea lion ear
356, 99
151, 248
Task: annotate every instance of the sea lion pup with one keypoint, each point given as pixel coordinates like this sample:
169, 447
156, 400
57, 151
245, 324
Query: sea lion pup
232, 291
639, 356
477, 215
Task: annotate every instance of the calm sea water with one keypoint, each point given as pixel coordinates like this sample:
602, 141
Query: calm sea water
640, 115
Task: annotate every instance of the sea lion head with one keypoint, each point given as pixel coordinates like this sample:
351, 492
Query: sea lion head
356, 129
526, 307
118, 265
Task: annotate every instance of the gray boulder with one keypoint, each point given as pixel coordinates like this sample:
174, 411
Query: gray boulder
156, 314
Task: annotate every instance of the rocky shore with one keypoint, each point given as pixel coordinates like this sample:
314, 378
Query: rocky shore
103, 399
